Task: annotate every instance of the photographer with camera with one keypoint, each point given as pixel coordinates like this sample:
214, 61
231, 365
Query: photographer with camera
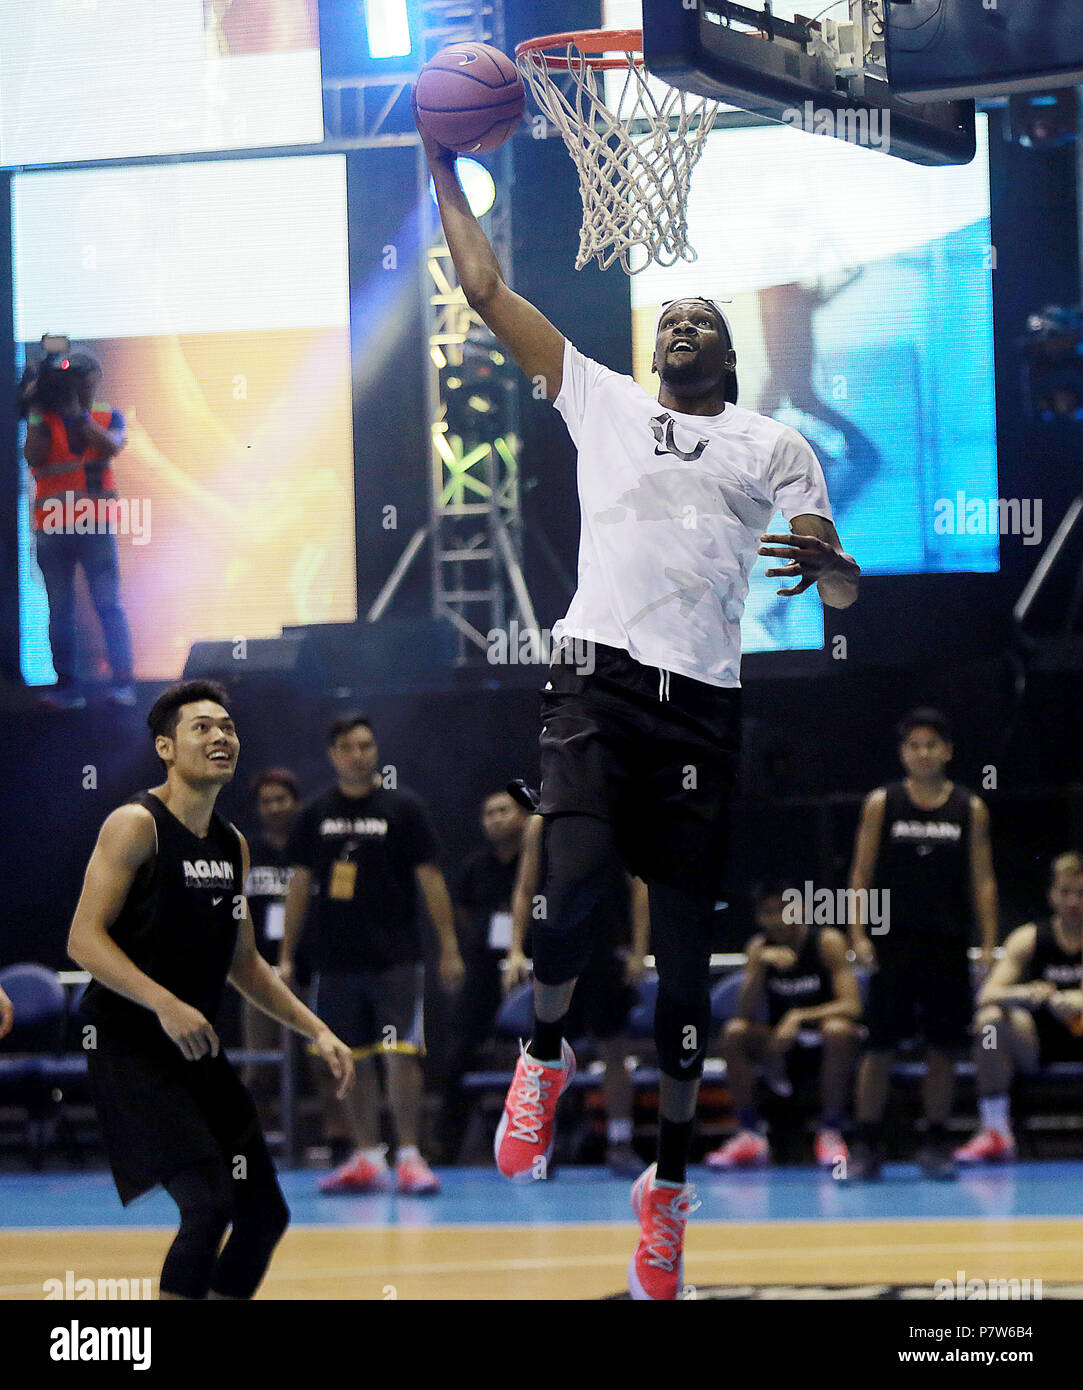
71, 441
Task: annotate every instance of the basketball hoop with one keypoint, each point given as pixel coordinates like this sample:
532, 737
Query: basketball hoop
635, 155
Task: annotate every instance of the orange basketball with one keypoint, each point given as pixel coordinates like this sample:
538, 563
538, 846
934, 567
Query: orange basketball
470, 97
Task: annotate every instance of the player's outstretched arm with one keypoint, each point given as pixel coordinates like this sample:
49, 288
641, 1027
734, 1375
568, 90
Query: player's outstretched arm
536, 345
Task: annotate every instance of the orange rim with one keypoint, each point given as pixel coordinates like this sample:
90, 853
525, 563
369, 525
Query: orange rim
591, 43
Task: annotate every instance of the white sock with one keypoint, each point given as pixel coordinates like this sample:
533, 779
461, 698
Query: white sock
618, 1131
407, 1151
377, 1155
994, 1113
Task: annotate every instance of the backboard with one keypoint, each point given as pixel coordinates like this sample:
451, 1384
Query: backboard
821, 76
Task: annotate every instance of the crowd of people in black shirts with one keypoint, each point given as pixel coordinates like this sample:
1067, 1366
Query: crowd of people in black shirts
337, 886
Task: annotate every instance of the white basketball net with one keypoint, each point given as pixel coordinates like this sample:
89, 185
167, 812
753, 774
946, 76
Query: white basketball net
635, 157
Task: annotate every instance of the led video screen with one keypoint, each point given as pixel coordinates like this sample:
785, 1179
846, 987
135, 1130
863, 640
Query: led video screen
216, 296
116, 79
861, 294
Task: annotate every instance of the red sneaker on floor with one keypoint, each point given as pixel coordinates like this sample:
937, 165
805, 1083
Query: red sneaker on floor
656, 1270
415, 1177
830, 1147
525, 1132
746, 1149
988, 1146
359, 1174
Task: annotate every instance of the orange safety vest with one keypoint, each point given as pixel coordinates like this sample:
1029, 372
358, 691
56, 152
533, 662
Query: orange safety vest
63, 472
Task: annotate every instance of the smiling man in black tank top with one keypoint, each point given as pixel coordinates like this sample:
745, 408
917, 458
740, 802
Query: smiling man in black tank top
924, 842
161, 924
1030, 1009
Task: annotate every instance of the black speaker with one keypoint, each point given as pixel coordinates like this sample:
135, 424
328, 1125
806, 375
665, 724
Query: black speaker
391, 655
245, 657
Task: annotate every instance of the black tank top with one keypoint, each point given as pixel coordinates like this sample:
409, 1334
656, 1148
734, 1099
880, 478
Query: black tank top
806, 984
178, 925
1051, 963
924, 861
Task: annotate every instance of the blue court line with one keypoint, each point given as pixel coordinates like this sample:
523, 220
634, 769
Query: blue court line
577, 1196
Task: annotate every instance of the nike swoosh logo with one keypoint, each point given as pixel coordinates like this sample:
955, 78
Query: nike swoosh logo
216, 901
685, 1064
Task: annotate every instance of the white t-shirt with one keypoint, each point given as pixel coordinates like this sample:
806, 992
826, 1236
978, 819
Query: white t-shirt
673, 507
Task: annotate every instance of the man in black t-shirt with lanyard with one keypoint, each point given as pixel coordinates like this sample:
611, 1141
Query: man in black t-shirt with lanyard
162, 922
923, 844
360, 853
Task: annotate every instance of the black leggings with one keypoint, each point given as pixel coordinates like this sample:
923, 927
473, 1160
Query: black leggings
210, 1199
578, 854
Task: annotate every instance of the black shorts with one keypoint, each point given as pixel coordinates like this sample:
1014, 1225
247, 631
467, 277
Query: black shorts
160, 1113
920, 993
375, 1010
660, 770
602, 1000
803, 1060
1056, 1042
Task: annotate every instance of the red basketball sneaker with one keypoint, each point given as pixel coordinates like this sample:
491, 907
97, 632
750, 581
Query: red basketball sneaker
414, 1176
830, 1148
746, 1149
990, 1146
525, 1132
656, 1270
360, 1174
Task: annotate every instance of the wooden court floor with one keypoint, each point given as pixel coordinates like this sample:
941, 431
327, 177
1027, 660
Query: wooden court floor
573, 1261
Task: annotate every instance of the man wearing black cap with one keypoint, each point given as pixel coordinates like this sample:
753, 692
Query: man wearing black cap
640, 735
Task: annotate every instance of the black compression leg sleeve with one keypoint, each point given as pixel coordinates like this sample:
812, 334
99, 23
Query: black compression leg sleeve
681, 925
202, 1192
260, 1218
579, 852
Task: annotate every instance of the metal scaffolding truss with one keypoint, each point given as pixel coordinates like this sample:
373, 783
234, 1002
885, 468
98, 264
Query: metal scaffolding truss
475, 521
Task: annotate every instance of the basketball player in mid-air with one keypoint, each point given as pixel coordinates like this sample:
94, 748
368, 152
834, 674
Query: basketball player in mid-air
638, 755
161, 924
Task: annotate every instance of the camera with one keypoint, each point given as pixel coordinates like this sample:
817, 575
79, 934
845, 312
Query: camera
50, 383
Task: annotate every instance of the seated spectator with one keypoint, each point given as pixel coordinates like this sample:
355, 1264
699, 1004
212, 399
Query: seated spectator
798, 1010
1030, 1009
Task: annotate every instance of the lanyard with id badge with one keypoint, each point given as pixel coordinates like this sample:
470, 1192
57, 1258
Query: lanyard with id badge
344, 873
